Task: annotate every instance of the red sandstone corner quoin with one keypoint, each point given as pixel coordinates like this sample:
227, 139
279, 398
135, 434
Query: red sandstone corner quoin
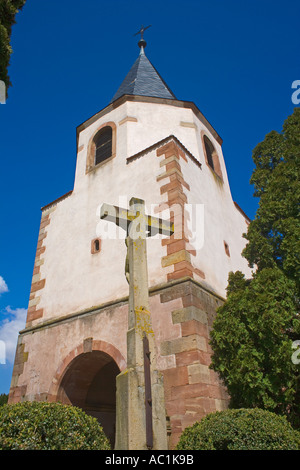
179, 252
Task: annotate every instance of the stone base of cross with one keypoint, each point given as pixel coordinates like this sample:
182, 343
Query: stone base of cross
141, 415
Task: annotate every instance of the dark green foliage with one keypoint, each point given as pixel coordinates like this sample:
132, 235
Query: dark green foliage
49, 426
8, 11
252, 343
3, 399
273, 237
254, 330
243, 429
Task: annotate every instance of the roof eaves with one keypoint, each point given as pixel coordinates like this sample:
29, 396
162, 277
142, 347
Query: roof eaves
159, 144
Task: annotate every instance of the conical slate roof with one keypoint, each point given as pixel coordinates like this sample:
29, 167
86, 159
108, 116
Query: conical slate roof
144, 80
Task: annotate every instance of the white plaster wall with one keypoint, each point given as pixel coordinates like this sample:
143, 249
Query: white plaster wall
222, 222
76, 279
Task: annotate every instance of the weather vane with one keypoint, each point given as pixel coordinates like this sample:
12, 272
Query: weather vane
142, 43
142, 30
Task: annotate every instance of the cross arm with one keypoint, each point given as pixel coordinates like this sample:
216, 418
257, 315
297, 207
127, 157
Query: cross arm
123, 218
118, 215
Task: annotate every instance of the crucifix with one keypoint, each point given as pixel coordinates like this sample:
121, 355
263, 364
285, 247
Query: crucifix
141, 420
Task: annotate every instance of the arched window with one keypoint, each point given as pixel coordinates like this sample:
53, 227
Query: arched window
103, 144
211, 156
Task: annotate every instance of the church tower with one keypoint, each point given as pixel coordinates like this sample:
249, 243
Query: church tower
145, 144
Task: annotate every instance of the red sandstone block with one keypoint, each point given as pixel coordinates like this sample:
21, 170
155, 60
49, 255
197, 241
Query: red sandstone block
179, 274
175, 377
170, 186
174, 439
172, 239
190, 419
173, 164
45, 217
175, 407
12, 399
183, 265
196, 270
42, 236
34, 315
45, 222
194, 327
39, 252
176, 423
209, 349
191, 299
36, 270
200, 405
38, 285
189, 391
177, 195
18, 392
31, 309
187, 358
39, 244
167, 148
176, 245
176, 176
175, 293
215, 380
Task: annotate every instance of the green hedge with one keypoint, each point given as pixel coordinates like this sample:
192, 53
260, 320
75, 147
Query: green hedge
241, 429
49, 426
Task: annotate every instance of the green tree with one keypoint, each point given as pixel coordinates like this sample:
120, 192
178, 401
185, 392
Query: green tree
8, 11
3, 399
273, 236
254, 330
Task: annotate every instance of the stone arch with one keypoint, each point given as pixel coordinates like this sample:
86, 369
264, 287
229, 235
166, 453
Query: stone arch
86, 378
90, 160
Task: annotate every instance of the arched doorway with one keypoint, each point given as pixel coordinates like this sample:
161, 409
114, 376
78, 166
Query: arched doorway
90, 383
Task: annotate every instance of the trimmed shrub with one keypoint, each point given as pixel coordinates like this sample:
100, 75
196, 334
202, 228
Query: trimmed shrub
241, 429
49, 426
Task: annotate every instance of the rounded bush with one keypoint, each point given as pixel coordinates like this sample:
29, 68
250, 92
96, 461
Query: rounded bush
241, 429
49, 426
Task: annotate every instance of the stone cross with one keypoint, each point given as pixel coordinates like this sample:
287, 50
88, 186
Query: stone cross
141, 416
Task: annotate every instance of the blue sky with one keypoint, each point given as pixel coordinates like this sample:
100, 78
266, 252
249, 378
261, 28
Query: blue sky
235, 60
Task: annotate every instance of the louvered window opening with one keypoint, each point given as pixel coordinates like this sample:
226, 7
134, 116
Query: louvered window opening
103, 145
209, 152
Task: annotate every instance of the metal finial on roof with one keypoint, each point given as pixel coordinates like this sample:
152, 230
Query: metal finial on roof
143, 79
142, 43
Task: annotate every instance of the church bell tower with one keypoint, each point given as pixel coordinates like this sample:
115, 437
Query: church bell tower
145, 145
